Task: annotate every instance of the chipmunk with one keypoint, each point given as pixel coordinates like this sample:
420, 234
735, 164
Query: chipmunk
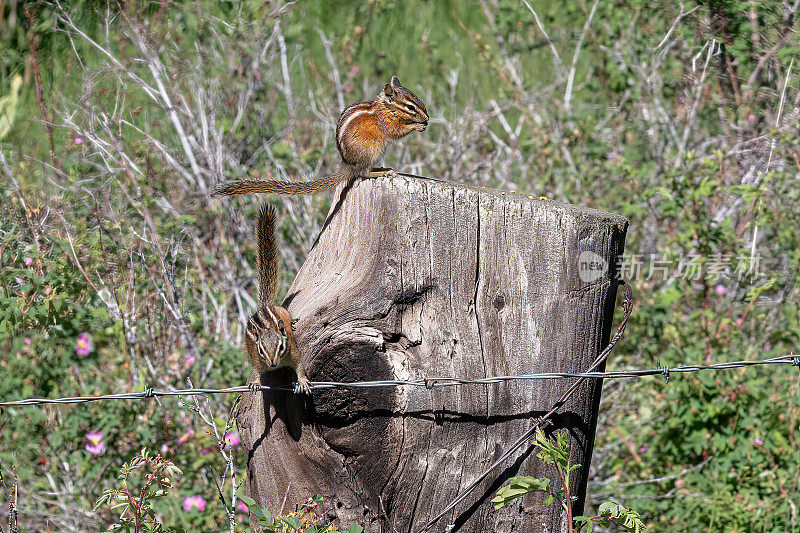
363, 131
269, 337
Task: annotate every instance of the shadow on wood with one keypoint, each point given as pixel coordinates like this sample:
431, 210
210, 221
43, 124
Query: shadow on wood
415, 278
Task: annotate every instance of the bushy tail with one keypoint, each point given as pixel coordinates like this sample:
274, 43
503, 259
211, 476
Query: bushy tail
269, 260
285, 188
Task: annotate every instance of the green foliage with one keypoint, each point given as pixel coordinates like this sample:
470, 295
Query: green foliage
610, 513
556, 453
142, 480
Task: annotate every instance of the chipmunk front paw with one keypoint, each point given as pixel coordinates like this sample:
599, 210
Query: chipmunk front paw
302, 386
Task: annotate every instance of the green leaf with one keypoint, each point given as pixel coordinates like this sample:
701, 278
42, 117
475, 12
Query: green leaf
628, 518
519, 486
269, 524
254, 508
293, 522
248, 501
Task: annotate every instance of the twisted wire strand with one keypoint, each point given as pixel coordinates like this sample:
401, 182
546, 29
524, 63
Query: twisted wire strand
430, 383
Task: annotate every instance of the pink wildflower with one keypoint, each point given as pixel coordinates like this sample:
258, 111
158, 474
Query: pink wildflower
643, 449
27, 340
28, 261
96, 449
349, 89
751, 118
708, 358
84, 344
232, 438
96, 445
757, 441
189, 360
242, 507
353, 70
78, 140
191, 502
721, 289
258, 76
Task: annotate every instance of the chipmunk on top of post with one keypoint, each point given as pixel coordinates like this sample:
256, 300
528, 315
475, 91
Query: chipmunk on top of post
362, 134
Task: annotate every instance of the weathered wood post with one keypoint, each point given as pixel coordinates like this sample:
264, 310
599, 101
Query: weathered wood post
414, 278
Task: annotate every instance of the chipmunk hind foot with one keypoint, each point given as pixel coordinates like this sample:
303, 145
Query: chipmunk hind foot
382, 173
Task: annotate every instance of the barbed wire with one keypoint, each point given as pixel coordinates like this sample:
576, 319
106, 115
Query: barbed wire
429, 383
789, 359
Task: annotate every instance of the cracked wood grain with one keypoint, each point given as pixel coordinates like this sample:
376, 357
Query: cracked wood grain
415, 278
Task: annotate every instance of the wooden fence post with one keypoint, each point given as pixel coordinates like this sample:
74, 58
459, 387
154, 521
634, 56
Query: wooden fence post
414, 278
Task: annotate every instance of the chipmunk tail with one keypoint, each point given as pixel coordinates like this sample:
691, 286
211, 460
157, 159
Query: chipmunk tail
283, 188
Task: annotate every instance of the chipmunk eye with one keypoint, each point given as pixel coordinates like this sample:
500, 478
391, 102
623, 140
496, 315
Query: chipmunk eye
410, 108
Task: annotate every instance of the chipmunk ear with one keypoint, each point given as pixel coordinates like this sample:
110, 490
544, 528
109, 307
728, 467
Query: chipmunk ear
388, 91
395, 82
